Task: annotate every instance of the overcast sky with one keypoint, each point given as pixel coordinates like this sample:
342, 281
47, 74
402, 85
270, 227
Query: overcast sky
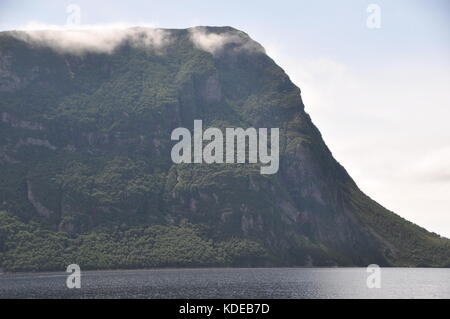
380, 96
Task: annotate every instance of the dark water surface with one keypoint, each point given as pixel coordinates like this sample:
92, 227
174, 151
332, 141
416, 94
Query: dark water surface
232, 283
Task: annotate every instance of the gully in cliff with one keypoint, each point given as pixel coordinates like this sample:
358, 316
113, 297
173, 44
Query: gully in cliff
235, 142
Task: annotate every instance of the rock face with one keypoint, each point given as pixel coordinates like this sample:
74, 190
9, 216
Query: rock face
85, 142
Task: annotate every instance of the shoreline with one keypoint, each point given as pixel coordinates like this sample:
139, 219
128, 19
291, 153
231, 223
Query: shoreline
202, 268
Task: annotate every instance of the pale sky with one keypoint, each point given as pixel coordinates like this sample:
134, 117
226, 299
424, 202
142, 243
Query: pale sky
380, 97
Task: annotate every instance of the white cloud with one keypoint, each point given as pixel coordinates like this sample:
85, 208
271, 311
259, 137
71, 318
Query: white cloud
433, 166
215, 42
79, 39
92, 38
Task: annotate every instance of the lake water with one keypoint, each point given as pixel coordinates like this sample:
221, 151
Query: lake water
232, 283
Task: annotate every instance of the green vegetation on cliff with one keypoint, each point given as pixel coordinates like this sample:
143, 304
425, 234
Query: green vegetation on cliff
27, 247
86, 175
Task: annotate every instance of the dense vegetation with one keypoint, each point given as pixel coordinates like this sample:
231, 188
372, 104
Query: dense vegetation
28, 247
86, 175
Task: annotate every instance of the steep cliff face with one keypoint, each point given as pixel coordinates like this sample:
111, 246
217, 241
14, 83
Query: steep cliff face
85, 144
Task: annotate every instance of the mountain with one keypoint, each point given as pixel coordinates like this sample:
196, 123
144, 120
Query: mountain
86, 174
